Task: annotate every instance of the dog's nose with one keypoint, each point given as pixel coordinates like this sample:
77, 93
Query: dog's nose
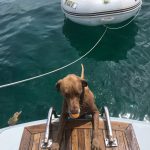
75, 110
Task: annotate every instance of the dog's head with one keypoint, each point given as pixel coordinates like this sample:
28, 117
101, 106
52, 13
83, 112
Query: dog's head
72, 88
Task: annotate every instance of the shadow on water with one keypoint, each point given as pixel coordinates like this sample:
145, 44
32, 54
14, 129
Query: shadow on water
113, 47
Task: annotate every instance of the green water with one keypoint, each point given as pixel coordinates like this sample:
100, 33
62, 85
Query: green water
36, 38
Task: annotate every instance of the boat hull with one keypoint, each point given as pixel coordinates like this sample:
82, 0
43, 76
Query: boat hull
93, 13
10, 137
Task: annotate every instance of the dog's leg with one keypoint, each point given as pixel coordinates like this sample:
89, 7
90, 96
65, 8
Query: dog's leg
57, 142
95, 142
95, 123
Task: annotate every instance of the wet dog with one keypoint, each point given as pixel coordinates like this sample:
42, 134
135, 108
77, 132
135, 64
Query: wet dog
78, 101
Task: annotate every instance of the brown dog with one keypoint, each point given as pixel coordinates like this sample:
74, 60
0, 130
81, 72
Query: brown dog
78, 101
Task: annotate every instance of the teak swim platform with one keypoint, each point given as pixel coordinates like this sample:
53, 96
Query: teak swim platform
78, 134
117, 134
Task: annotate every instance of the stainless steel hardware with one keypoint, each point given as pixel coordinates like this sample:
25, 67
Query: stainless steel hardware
110, 141
46, 143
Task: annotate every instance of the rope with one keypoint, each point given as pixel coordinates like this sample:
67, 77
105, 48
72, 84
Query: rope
56, 70
116, 28
71, 63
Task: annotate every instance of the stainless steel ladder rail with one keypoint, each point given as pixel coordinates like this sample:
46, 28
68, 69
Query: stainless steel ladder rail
110, 141
46, 143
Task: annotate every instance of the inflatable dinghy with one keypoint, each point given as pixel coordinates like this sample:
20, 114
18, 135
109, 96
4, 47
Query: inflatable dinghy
99, 12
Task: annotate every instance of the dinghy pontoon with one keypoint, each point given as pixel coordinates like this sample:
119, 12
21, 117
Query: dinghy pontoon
97, 12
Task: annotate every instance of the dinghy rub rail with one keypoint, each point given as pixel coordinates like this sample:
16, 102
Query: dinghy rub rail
106, 13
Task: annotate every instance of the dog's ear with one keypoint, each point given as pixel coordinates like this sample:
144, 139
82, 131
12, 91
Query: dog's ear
84, 83
58, 85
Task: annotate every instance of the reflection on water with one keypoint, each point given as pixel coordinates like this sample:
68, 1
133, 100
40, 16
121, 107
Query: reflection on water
82, 38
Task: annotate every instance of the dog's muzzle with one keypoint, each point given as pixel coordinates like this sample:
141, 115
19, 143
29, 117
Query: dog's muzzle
74, 116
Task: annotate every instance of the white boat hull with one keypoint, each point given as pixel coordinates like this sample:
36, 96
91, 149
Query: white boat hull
10, 137
96, 12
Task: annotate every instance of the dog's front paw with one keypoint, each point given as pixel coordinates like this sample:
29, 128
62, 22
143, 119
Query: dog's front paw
54, 146
95, 144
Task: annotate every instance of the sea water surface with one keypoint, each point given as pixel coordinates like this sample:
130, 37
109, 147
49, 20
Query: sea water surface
36, 38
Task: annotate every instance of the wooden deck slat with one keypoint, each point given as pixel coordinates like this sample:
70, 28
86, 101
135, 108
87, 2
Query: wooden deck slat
81, 139
37, 129
101, 139
125, 141
131, 138
88, 125
74, 138
36, 141
120, 140
24, 145
31, 142
78, 136
87, 133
